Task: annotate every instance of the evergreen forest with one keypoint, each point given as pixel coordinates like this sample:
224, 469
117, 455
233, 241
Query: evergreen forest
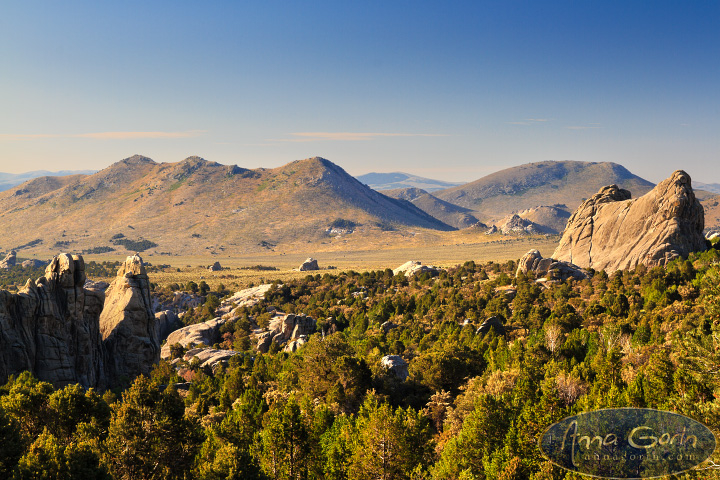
473, 405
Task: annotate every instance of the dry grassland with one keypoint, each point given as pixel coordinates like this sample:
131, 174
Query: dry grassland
237, 275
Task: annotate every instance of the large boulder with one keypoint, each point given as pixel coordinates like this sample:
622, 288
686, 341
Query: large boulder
206, 333
308, 265
412, 267
284, 329
546, 268
50, 327
611, 231
9, 261
396, 365
128, 324
34, 263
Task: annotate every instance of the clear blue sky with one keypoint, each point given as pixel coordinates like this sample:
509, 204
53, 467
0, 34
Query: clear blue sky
451, 90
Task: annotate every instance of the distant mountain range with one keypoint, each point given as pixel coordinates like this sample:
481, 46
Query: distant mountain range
198, 207
708, 187
9, 180
396, 180
543, 194
542, 183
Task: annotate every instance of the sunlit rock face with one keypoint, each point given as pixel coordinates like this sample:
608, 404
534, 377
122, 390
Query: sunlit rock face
610, 231
128, 324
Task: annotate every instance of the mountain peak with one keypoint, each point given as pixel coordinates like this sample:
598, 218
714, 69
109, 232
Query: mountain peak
137, 160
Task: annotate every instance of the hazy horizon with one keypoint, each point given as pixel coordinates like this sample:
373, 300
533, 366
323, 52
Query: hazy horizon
451, 91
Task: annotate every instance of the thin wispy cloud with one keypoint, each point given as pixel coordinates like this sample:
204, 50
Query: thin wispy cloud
530, 121
349, 136
583, 127
103, 135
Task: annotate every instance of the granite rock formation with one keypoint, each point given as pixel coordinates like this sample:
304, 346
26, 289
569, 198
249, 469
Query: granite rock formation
494, 323
9, 261
516, 225
611, 231
166, 322
55, 326
548, 268
209, 357
50, 327
206, 333
412, 267
128, 324
34, 263
308, 265
247, 297
396, 365
286, 328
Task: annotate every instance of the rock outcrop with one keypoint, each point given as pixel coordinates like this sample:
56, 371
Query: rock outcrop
209, 357
548, 268
396, 365
494, 323
9, 261
180, 302
57, 326
412, 267
248, 297
34, 263
166, 322
284, 329
206, 333
128, 324
308, 265
50, 327
516, 225
215, 267
611, 231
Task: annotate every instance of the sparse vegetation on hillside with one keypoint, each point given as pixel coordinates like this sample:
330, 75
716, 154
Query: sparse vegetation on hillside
134, 245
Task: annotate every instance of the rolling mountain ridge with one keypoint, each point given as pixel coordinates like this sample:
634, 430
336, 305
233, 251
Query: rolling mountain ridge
196, 206
542, 183
9, 180
399, 180
453, 215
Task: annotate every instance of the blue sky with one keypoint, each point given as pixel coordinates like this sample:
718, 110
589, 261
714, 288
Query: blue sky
450, 90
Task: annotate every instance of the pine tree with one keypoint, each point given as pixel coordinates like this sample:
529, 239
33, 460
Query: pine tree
284, 442
149, 436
